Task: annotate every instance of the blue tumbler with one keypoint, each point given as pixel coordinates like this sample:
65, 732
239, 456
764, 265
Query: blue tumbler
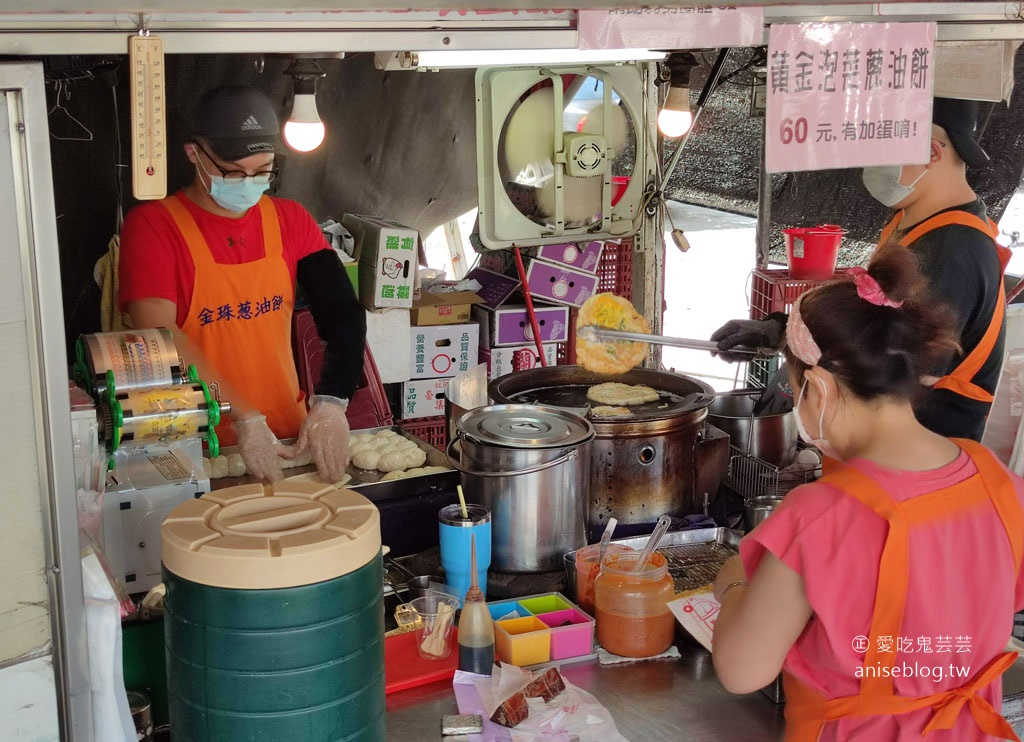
455, 532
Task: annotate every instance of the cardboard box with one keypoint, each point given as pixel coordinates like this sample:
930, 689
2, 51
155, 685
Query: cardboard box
443, 350
387, 254
496, 287
557, 283
423, 398
583, 256
499, 360
444, 309
510, 324
385, 330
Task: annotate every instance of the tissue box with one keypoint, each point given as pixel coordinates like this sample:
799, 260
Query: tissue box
510, 325
424, 398
557, 283
443, 309
583, 256
444, 350
387, 254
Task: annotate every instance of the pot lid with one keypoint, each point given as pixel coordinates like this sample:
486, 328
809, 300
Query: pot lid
524, 426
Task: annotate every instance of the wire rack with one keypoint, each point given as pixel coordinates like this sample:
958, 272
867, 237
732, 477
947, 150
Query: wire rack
752, 477
695, 565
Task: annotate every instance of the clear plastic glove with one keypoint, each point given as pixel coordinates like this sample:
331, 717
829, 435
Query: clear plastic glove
325, 435
259, 448
749, 333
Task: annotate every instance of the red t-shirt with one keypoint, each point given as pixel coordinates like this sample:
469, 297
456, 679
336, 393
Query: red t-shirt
155, 261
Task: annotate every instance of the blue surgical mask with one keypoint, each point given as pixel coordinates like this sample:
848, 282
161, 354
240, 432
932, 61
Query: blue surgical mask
237, 197
883, 183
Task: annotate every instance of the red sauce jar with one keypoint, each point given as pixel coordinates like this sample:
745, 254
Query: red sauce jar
633, 619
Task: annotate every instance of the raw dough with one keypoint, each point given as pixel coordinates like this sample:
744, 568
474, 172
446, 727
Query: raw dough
366, 459
391, 461
414, 457
616, 357
236, 467
621, 395
219, 467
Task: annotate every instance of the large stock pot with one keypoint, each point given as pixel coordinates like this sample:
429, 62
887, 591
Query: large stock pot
643, 464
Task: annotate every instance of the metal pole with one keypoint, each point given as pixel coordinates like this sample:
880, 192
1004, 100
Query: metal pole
764, 209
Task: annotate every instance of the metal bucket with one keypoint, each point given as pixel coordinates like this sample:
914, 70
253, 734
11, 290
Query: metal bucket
771, 438
530, 466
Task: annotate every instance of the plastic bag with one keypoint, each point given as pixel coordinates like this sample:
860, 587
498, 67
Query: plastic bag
573, 714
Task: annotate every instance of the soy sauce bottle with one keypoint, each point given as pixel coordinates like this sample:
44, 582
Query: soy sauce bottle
476, 628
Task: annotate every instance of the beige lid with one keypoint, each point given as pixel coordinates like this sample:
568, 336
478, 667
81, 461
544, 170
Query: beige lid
257, 536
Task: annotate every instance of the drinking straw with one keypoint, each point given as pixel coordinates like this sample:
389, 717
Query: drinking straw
462, 502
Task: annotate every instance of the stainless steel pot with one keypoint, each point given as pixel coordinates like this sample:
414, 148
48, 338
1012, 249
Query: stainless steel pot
758, 509
644, 464
771, 438
530, 466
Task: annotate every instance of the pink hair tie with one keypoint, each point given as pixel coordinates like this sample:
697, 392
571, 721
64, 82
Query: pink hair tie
869, 290
799, 339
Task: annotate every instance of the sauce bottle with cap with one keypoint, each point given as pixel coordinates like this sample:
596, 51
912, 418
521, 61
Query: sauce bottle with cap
476, 627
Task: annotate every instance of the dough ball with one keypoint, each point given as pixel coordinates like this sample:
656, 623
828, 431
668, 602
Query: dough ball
303, 459
359, 438
435, 469
394, 461
386, 449
236, 467
207, 468
414, 457
366, 459
385, 434
392, 475
219, 467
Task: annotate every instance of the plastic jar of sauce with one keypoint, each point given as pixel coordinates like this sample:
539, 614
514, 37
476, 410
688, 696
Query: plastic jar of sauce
633, 618
587, 568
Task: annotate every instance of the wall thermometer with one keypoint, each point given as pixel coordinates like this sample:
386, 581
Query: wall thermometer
149, 135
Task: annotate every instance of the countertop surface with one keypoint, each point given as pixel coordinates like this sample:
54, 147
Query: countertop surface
650, 700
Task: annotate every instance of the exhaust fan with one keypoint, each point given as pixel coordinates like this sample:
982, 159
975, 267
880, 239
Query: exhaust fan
557, 149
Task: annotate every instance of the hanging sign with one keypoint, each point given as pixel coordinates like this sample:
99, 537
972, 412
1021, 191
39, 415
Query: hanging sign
848, 95
657, 27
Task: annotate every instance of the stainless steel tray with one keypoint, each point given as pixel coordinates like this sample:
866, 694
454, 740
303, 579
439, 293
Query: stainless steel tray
694, 556
368, 482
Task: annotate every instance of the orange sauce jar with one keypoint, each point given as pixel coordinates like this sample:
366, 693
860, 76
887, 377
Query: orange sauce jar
633, 619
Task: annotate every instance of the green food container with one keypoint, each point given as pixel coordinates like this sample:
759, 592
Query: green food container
274, 622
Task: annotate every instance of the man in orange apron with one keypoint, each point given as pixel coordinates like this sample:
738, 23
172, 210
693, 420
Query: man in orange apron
217, 262
944, 222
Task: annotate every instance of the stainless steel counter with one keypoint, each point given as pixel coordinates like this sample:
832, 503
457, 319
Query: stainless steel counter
650, 700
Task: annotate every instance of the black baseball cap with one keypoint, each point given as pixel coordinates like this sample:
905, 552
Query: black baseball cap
237, 121
959, 119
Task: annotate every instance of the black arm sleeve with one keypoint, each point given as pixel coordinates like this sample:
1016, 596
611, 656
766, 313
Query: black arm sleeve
340, 320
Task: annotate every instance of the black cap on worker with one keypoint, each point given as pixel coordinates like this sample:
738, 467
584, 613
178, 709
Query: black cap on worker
237, 121
959, 119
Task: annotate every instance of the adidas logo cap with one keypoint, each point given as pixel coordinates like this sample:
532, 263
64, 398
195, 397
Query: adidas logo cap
237, 121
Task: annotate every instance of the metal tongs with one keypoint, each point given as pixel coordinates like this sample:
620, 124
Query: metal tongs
597, 334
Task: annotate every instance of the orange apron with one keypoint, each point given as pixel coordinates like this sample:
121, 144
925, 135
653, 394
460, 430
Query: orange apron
959, 380
807, 711
241, 318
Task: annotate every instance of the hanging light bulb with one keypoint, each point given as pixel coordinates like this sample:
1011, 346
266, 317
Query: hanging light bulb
304, 131
675, 117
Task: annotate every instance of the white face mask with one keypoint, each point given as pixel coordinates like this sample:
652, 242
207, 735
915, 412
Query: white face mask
821, 443
883, 183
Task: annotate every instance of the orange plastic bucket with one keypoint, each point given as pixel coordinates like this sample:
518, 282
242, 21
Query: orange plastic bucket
811, 252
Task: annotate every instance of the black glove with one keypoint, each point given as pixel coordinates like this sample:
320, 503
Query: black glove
777, 397
769, 332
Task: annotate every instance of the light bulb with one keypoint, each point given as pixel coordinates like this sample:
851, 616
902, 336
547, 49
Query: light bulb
675, 118
304, 131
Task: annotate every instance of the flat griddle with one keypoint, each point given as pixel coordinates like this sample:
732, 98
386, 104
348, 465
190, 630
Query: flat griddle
567, 386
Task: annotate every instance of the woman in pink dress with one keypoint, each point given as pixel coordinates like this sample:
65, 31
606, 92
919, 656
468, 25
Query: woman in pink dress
885, 591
